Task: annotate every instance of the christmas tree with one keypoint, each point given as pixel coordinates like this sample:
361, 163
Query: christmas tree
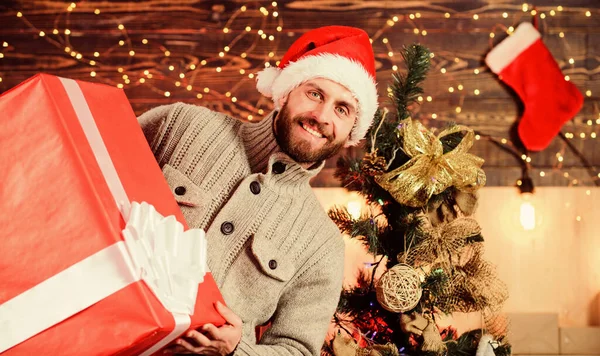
421, 189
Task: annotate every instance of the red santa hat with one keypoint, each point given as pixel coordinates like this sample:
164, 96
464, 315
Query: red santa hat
338, 53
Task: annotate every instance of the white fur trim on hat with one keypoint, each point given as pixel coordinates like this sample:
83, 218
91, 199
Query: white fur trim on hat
344, 71
510, 48
265, 79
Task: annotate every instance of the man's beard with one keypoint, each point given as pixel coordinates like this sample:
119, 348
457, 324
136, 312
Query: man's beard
302, 151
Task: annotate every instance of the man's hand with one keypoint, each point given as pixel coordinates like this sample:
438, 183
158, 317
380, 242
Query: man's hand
212, 341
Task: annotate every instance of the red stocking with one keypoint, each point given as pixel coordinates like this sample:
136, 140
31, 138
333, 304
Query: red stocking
525, 64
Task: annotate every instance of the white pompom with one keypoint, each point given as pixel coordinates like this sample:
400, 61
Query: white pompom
265, 79
484, 348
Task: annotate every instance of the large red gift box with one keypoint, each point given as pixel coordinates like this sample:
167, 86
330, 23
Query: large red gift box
73, 159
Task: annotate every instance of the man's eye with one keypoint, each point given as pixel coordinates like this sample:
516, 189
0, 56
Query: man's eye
314, 94
341, 110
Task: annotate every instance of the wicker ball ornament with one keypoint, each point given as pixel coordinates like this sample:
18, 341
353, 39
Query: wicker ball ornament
399, 289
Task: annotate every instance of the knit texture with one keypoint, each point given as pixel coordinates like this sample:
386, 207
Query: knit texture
274, 254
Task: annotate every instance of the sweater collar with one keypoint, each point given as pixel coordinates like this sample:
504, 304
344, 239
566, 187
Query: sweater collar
263, 152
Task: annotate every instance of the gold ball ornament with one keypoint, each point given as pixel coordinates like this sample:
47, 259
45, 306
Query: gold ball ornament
399, 289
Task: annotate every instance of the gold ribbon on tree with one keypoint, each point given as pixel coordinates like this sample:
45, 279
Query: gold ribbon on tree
430, 171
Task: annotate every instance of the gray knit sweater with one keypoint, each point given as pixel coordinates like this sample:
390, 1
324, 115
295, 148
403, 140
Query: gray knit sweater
272, 250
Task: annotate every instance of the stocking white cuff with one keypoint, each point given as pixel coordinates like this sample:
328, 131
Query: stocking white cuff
509, 49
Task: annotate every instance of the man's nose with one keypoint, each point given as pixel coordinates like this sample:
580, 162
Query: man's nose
321, 113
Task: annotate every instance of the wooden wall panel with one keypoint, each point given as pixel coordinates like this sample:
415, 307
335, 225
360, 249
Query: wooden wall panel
193, 31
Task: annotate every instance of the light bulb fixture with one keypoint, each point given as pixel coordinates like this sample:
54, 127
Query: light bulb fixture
527, 210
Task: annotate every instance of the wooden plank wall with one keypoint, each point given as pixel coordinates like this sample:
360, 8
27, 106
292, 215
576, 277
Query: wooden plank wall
186, 37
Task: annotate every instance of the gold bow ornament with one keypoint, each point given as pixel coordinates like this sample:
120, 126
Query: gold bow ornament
430, 171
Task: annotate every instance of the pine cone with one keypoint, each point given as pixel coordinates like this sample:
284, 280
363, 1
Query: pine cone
372, 164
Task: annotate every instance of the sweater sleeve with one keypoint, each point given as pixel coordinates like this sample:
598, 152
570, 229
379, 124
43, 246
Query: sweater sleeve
304, 310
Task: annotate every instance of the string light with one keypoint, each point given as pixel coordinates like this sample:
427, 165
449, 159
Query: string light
144, 41
505, 15
588, 93
561, 34
552, 12
443, 70
447, 15
571, 61
588, 14
475, 17
542, 15
97, 11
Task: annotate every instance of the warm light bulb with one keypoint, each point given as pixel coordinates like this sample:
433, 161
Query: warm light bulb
354, 209
527, 213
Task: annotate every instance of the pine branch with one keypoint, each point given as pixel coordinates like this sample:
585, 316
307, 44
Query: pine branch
406, 87
365, 229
